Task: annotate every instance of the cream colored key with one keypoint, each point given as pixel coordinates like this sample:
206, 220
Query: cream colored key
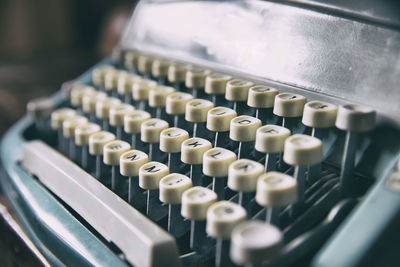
243, 175
196, 110
237, 91
70, 124
99, 73
77, 93
318, 114
82, 134
150, 133
126, 83
261, 96
196, 78
171, 139
353, 119
219, 121
289, 105
274, 191
145, 64
133, 121
216, 163
141, 89
111, 79
89, 102
173, 186
254, 243
193, 149
196, 201
113, 150
270, 139
117, 116
302, 151
131, 161
159, 68
158, 96
59, 116
103, 107
131, 60
243, 129
177, 72
176, 103
216, 83
97, 141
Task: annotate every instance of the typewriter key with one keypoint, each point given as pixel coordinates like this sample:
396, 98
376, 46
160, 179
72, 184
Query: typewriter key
171, 142
243, 129
158, 98
219, 121
117, 114
176, 106
103, 107
150, 133
195, 80
82, 133
237, 91
262, 98
196, 112
69, 126
216, 86
97, 141
133, 124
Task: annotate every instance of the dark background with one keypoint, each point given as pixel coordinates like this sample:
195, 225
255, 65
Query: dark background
42, 44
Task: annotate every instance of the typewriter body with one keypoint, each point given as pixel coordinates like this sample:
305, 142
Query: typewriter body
327, 72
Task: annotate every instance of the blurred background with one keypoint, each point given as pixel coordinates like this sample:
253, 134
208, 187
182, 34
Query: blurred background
44, 43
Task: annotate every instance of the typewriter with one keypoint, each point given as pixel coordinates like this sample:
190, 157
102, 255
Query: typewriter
233, 133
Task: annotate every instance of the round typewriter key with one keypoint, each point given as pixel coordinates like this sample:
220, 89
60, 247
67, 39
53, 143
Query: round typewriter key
82, 134
69, 126
170, 142
274, 191
57, 118
40, 109
216, 163
140, 92
176, 105
103, 107
89, 103
192, 151
150, 133
216, 86
150, 175
196, 112
158, 98
237, 91
254, 243
98, 75
131, 61
177, 74
159, 69
96, 145
270, 139
354, 120
77, 93
144, 65
262, 98
222, 217
243, 129
242, 177
195, 80
302, 151
195, 203
117, 115
125, 86
111, 81
133, 125
172, 187
290, 107
219, 121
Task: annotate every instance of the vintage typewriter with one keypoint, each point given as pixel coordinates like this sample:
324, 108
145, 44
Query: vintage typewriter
227, 133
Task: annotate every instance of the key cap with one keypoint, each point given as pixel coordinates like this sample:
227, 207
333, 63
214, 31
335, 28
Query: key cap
150, 133
222, 218
237, 91
103, 107
172, 187
158, 98
216, 86
111, 81
77, 93
262, 98
145, 63
216, 163
69, 126
125, 86
131, 61
254, 243
140, 92
302, 151
40, 110
192, 151
177, 75
98, 75
133, 124
242, 178
97, 142
195, 203
290, 107
89, 104
117, 115
275, 190
354, 120
219, 121
176, 106
159, 70
319, 116
270, 139
170, 142
56, 121
82, 134
195, 80
196, 112
243, 129
112, 152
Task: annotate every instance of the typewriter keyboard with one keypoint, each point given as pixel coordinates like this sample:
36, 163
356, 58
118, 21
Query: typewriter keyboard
233, 170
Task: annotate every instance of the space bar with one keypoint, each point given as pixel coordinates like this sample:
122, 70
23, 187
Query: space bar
143, 242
